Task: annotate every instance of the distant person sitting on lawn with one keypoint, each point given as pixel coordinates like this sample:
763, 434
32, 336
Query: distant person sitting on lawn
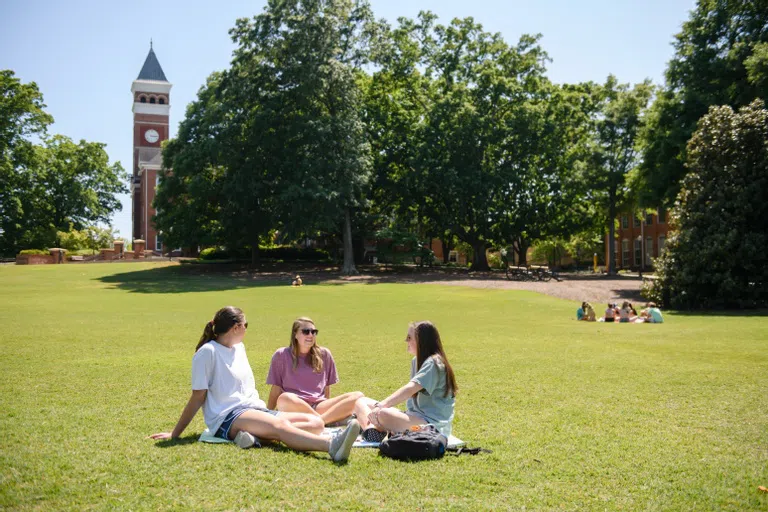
610, 313
652, 314
223, 385
580, 312
429, 396
589, 312
625, 313
301, 376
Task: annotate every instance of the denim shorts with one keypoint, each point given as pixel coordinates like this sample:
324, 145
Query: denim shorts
223, 431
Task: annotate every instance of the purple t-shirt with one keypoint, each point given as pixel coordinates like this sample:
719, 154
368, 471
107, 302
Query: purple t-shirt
303, 381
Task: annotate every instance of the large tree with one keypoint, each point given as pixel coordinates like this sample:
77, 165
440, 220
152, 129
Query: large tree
718, 255
720, 59
619, 118
296, 70
52, 186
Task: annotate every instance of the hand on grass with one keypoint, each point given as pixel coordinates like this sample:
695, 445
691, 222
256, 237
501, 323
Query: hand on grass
160, 435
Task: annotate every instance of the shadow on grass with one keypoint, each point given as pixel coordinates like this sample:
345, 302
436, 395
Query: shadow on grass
181, 441
193, 278
726, 312
218, 277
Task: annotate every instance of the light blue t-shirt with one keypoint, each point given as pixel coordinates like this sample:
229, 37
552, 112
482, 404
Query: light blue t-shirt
579, 314
431, 402
656, 316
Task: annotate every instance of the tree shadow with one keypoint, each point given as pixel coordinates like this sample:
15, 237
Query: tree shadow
763, 312
188, 278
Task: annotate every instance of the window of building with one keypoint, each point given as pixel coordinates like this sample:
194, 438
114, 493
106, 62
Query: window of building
453, 257
662, 214
143, 99
152, 100
648, 250
624, 222
161, 101
636, 221
638, 251
649, 219
158, 243
625, 253
662, 242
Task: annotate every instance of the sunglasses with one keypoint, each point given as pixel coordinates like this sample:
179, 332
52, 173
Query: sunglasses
310, 331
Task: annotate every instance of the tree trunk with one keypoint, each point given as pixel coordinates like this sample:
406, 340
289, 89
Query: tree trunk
479, 259
446, 250
522, 253
255, 253
348, 269
611, 232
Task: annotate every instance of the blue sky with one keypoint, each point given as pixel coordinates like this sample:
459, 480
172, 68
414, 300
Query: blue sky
85, 54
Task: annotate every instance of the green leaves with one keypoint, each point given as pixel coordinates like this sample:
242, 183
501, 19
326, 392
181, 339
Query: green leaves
48, 187
717, 255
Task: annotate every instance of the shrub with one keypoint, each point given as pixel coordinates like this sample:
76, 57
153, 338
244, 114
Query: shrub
214, 253
495, 260
35, 252
718, 254
286, 253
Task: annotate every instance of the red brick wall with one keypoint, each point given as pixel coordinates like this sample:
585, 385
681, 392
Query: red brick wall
654, 230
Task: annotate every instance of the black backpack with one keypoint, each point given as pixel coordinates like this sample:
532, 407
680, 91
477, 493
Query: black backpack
421, 443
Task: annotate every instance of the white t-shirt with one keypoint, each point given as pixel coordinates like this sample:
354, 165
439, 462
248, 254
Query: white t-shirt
227, 376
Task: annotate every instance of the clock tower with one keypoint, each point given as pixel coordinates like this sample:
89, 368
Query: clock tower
151, 108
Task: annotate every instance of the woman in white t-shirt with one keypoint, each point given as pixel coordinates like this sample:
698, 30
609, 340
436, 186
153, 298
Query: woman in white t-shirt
429, 395
223, 385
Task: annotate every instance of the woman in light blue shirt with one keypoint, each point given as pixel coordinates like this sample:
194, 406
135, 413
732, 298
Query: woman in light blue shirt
429, 396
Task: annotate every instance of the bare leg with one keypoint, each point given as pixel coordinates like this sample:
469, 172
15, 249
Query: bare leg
338, 407
362, 409
265, 426
290, 402
394, 420
307, 422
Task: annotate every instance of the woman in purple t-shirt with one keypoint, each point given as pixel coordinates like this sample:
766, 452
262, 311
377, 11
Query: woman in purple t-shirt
301, 376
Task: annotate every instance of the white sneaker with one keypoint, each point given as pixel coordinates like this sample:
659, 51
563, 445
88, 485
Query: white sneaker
341, 443
245, 439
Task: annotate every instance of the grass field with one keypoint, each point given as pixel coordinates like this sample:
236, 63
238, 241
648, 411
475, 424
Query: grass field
579, 416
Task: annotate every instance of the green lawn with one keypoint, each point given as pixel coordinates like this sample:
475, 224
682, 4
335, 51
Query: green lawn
579, 416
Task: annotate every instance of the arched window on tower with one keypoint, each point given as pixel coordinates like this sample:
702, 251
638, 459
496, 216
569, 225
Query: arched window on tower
143, 99
161, 101
152, 100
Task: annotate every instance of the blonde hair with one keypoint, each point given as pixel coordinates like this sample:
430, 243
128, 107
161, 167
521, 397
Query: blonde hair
314, 358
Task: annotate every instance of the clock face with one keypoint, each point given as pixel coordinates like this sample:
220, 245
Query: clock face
151, 136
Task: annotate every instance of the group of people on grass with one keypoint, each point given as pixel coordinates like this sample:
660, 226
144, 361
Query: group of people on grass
626, 314
300, 403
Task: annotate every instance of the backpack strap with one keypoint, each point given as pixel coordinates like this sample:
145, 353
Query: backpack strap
468, 451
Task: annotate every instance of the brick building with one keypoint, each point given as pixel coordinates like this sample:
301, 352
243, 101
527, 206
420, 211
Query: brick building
151, 109
639, 239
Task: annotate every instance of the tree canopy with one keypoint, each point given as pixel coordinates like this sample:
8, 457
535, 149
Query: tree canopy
718, 254
51, 186
721, 58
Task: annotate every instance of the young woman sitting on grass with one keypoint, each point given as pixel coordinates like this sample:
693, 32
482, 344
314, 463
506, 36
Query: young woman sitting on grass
223, 385
429, 396
301, 376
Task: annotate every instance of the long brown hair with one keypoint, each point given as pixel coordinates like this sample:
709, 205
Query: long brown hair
314, 358
224, 319
428, 344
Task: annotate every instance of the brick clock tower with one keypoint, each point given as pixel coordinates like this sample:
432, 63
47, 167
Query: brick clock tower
151, 108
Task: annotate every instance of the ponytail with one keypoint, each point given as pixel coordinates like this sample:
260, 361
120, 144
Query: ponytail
208, 335
222, 322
